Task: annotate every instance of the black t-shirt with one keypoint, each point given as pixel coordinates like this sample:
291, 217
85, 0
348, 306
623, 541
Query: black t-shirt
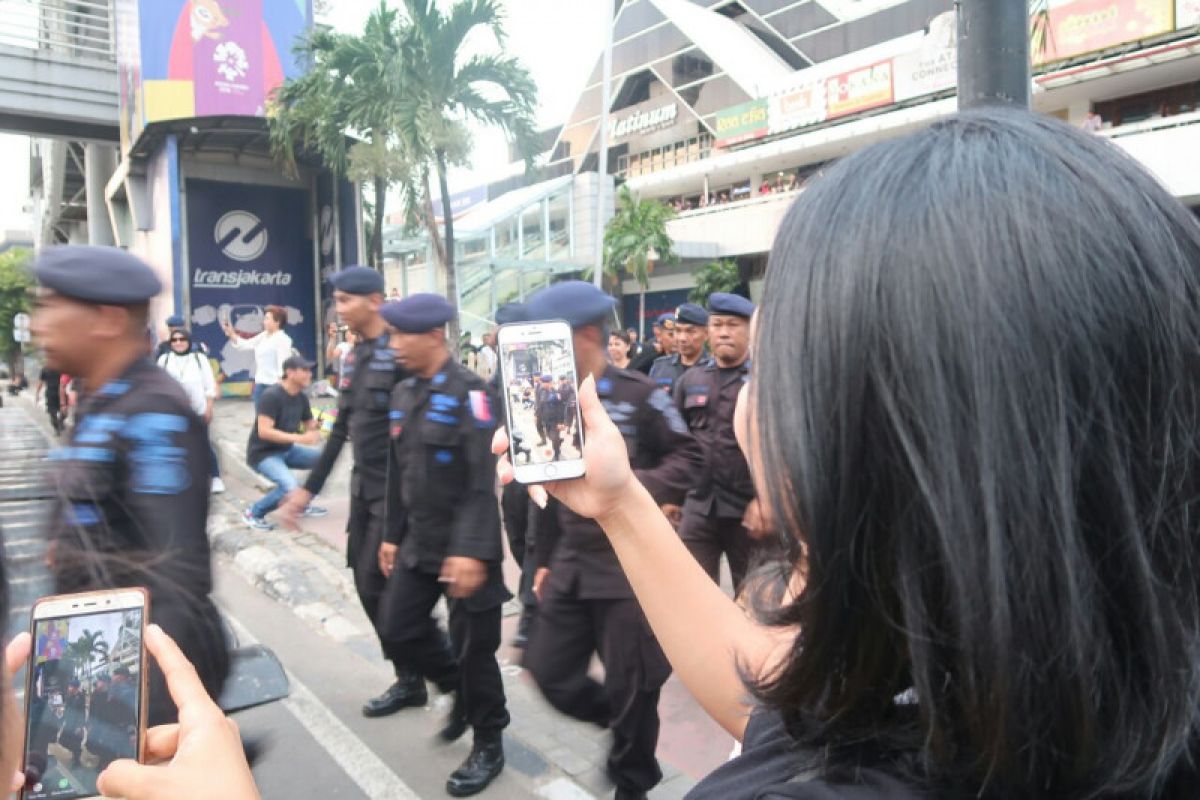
290, 412
51, 379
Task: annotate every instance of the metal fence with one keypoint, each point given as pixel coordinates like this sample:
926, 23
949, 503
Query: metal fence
82, 28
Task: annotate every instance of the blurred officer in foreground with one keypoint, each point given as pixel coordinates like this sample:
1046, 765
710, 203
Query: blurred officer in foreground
690, 334
442, 533
663, 344
721, 513
132, 481
516, 509
364, 392
586, 605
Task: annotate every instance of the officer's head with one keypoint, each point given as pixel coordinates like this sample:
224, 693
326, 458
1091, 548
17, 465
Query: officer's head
587, 309
358, 296
691, 330
92, 306
729, 328
417, 328
664, 334
297, 373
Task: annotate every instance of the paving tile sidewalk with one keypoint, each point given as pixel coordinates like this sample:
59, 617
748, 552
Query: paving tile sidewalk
306, 571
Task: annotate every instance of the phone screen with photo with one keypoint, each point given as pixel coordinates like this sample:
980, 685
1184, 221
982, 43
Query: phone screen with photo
84, 700
542, 401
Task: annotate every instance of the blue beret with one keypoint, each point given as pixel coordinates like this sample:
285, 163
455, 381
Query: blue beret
578, 302
546, 376
663, 319
358, 280
176, 321
418, 313
691, 314
103, 275
512, 312
730, 304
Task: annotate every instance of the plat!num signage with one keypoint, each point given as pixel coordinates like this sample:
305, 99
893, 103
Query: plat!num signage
644, 121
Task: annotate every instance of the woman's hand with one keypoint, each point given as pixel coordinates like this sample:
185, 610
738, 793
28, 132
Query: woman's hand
16, 655
203, 752
608, 479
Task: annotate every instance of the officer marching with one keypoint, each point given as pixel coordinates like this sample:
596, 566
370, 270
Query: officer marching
364, 394
442, 533
132, 481
587, 605
720, 514
689, 336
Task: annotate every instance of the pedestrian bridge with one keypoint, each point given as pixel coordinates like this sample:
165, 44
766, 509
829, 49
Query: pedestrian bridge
58, 71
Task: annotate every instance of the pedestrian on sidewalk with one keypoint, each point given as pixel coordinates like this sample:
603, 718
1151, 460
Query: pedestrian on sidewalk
174, 323
369, 372
132, 481
191, 368
271, 346
50, 382
442, 533
283, 438
586, 605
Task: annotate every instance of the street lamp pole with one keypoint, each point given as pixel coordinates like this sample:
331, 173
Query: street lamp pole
993, 53
602, 154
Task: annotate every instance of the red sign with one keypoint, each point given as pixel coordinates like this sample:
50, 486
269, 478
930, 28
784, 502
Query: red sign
859, 90
1084, 26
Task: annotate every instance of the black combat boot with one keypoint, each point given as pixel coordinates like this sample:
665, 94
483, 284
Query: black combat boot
481, 767
407, 691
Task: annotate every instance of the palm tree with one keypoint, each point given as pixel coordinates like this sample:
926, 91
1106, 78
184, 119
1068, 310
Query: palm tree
444, 89
635, 239
88, 648
716, 276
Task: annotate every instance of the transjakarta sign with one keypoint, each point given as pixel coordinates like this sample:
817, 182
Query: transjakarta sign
644, 121
217, 279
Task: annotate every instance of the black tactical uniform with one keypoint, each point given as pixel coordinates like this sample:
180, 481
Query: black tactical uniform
442, 502
712, 514
132, 483
587, 603
666, 370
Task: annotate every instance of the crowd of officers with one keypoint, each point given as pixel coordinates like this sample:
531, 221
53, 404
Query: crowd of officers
424, 524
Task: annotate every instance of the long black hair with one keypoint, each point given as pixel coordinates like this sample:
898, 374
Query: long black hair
979, 409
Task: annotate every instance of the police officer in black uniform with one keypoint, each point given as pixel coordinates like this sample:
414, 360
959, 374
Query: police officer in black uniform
690, 322
132, 480
714, 514
442, 533
363, 397
663, 344
587, 605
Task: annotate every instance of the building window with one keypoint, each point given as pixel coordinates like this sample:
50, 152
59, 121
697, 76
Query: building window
1168, 102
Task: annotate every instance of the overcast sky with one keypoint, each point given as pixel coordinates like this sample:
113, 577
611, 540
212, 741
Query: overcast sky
558, 40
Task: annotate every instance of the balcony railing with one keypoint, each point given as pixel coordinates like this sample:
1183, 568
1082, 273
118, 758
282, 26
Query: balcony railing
82, 28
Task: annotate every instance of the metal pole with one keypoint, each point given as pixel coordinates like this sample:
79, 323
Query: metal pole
993, 53
602, 156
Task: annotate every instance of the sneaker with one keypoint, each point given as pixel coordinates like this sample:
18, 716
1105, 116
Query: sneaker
257, 523
218, 486
315, 511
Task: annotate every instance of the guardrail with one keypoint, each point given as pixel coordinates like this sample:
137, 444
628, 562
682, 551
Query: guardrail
1152, 124
82, 28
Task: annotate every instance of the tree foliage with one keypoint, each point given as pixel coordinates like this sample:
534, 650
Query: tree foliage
16, 295
636, 239
716, 276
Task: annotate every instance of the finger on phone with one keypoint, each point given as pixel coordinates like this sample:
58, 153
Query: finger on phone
128, 779
504, 470
500, 441
182, 681
162, 741
17, 653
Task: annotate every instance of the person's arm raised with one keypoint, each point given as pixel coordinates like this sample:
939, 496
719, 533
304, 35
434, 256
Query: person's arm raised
704, 634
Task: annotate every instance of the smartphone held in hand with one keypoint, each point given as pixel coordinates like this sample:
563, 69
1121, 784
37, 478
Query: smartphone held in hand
540, 393
85, 694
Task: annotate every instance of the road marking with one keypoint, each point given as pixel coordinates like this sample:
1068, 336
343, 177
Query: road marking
358, 761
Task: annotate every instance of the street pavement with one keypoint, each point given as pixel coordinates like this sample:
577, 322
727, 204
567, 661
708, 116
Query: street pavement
291, 592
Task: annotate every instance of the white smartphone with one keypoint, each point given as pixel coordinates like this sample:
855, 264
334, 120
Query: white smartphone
540, 388
85, 694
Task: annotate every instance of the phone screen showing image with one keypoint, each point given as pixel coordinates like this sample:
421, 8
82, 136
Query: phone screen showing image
84, 700
543, 406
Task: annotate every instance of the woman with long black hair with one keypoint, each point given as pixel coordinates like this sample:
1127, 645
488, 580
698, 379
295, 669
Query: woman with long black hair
978, 440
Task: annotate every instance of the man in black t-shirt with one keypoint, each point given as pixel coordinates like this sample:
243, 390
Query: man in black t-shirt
50, 380
283, 439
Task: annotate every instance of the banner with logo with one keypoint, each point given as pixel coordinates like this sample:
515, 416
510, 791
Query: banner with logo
798, 107
859, 90
741, 123
1187, 13
1085, 26
932, 67
247, 249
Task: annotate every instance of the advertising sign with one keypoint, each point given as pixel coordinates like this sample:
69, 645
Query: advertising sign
189, 58
931, 68
798, 107
742, 123
246, 251
643, 120
859, 90
461, 202
1084, 26
1187, 13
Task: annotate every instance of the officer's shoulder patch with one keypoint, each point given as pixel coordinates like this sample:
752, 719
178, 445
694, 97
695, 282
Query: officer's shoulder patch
662, 403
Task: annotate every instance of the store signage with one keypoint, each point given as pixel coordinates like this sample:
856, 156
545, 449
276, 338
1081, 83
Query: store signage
461, 202
797, 107
1187, 13
932, 67
644, 121
742, 123
1085, 26
859, 90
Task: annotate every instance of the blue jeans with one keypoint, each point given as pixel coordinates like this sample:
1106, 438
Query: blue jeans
257, 392
278, 468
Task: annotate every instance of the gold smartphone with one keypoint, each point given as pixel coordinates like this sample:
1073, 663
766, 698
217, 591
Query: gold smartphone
85, 692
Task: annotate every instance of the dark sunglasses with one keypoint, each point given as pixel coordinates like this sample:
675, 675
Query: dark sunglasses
179, 339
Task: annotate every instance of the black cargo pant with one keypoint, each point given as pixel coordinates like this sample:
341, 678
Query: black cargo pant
707, 538
467, 663
365, 530
518, 527
566, 632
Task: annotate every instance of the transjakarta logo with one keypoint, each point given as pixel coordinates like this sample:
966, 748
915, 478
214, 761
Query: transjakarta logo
240, 235
232, 279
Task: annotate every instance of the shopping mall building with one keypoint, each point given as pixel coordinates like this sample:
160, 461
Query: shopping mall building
722, 108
